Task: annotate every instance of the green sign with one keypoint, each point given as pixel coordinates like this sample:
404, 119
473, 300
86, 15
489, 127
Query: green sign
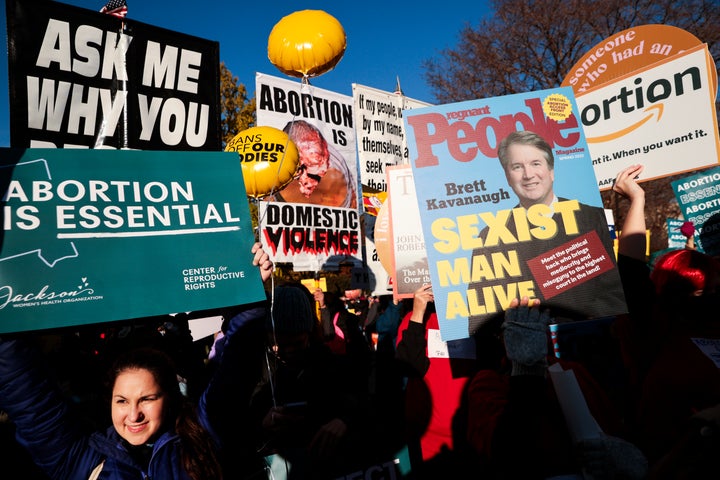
91, 236
699, 199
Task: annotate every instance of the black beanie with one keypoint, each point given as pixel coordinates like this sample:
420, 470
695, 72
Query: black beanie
292, 310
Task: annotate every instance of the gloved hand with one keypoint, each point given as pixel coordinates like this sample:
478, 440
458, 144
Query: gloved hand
611, 458
525, 336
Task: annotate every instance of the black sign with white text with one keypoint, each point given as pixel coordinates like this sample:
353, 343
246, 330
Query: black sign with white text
80, 78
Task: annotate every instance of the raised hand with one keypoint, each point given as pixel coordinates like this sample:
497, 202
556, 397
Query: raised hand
525, 336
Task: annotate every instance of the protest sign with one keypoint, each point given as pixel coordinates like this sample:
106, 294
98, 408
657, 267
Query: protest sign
379, 281
80, 78
92, 236
410, 263
380, 132
676, 239
627, 51
531, 229
699, 199
381, 144
319, 222
662, 116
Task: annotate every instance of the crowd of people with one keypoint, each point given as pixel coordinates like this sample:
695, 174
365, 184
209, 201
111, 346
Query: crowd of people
329, 385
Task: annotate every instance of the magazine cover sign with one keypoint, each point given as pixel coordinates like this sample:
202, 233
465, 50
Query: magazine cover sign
510, 208
80, 78
90, 236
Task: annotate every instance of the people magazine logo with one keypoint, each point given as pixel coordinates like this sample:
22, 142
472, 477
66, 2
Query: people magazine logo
82, 292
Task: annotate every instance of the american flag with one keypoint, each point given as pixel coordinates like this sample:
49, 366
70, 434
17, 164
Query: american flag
116, 8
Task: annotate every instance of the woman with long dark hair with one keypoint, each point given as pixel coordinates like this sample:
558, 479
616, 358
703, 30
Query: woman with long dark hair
156, 432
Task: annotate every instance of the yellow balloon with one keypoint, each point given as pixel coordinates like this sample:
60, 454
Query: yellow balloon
269, 159
306, 43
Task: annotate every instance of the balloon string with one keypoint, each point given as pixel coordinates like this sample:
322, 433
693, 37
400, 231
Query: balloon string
271, 374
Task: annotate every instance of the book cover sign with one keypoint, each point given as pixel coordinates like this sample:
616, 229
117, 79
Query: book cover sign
409, 259
510, 207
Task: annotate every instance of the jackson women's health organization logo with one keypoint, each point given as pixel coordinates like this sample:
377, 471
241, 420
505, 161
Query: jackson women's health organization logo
45, 296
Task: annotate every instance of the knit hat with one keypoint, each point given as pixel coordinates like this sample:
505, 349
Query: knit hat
292, 310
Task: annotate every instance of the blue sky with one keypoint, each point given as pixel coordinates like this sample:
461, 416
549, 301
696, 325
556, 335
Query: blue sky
385, 39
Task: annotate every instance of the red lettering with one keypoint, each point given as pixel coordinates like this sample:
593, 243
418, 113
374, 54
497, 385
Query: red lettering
463, 140
425, 140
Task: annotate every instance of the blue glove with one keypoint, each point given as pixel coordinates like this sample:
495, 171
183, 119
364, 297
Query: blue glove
526, 340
